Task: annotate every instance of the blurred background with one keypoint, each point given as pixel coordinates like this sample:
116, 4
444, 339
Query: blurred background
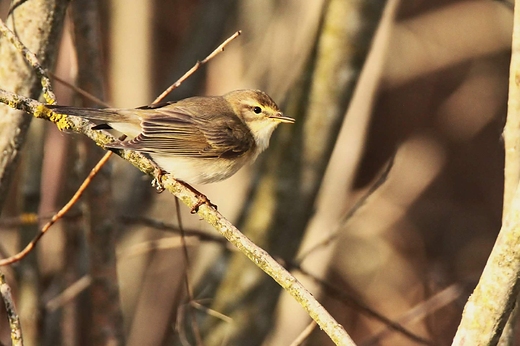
384, 198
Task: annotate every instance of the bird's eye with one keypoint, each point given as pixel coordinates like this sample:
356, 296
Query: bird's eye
257, 110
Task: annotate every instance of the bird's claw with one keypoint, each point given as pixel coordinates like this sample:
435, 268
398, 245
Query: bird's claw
156, 181
202, 199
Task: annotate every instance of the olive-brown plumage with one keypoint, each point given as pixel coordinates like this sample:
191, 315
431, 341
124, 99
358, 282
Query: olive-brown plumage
200, 139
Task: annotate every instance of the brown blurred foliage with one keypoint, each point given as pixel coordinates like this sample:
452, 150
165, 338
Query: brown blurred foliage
428, 87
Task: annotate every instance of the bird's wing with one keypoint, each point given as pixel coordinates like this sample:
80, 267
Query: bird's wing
172, 130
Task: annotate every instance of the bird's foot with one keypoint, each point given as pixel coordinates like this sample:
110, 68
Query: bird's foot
201, 199
156, 182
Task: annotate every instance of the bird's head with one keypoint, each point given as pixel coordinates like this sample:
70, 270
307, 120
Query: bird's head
259, 112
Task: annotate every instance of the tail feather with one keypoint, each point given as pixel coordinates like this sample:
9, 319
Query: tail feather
124, 121
103, 114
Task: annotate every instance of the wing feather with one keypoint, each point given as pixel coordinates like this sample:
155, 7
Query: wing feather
173, 130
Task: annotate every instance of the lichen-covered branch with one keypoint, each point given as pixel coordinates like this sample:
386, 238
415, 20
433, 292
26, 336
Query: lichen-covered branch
488, 308
261, 258
12, 315
38, 26
490, 305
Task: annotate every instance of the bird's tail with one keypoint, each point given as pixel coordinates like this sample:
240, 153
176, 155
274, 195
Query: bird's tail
103, 114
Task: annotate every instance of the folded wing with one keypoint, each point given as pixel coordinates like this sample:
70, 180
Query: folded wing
172, 130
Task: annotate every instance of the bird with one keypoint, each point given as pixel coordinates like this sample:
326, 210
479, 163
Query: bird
200, 139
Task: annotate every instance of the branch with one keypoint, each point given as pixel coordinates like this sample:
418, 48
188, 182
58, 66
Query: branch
195, 67
260, 257
492, 301
31, 58
14, 320
39, 25
57, 216
488, 308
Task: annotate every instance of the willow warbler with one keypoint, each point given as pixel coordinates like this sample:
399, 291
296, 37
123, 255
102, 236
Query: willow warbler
198, 140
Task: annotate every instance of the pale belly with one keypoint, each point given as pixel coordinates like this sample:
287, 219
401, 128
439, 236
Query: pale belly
199, 170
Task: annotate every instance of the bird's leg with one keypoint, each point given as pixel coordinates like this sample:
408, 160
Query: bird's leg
156, 182
201, 198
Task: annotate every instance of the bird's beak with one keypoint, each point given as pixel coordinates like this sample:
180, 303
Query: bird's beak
279, 116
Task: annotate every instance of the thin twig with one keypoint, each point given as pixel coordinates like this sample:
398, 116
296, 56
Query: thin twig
421, 310
211, 312
189, 292
162, 226
195, 67
167, 243
31, 58
23, 219
351, 212
83, 93
12, 315
347, 299
179, 325
26, 219
490, 305
300, 339
58, 215
69, 293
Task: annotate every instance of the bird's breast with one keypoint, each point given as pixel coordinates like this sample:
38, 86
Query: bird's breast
201, 170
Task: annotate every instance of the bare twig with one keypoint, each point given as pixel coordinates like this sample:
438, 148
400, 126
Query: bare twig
195, 67
347, 299
58, 215
69, 293
83, 93
14, 321
178, 325
189, 291
304, 334
29, 56
162, 226
25, 219
425, 308
489, 307
20, 220
511, 137
351, 212
167, 243
211, 312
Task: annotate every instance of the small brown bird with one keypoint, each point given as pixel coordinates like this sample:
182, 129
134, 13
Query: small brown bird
200, 139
